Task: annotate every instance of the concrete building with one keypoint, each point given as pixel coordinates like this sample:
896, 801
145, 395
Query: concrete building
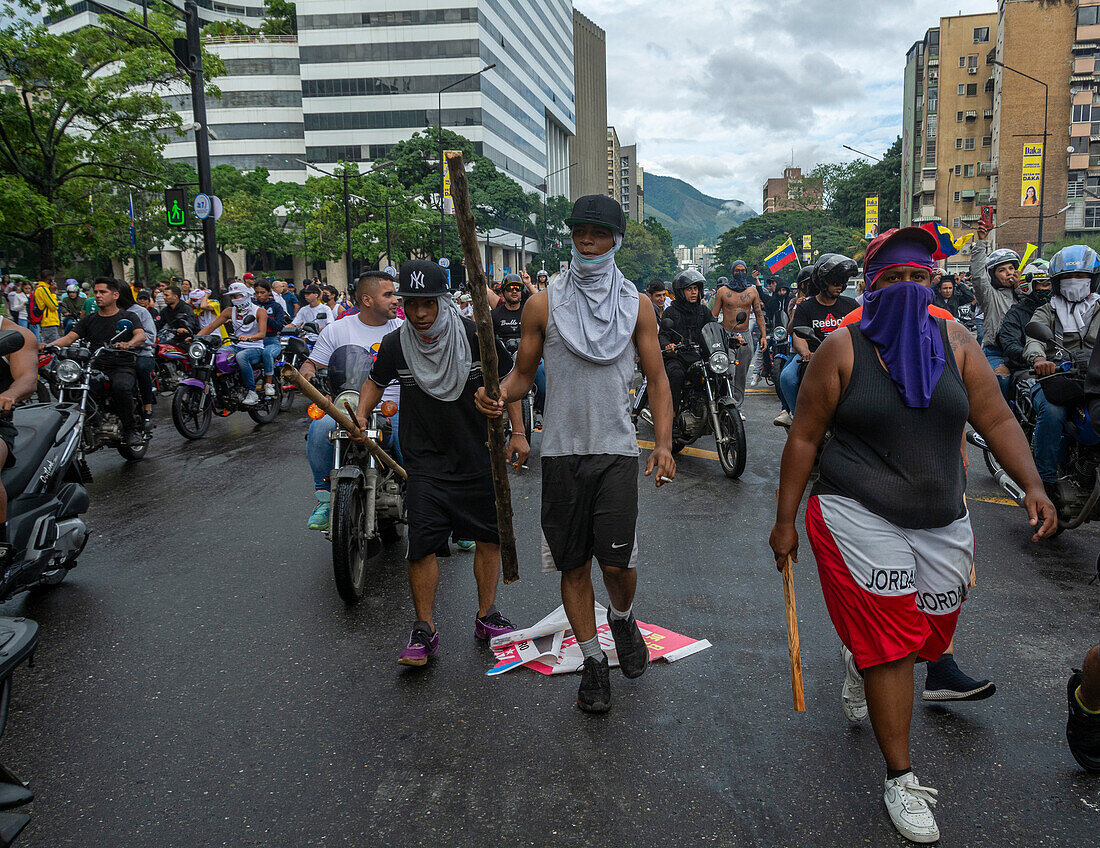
589, 148
631, 183
701, 257
612, 147
81, 14
792, 191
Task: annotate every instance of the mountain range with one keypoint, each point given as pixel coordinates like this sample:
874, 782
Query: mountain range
691, 216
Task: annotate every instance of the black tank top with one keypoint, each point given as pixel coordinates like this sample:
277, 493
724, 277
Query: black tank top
899, 462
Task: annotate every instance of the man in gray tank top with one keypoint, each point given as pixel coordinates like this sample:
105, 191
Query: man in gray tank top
587, 328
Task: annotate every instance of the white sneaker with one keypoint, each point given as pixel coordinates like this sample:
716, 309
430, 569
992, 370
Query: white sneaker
909, 805
852, 697
250, 399
743, 418
269, 389
783, 419
754, 381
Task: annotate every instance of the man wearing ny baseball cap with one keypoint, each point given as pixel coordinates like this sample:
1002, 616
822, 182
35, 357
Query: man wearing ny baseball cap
435, 358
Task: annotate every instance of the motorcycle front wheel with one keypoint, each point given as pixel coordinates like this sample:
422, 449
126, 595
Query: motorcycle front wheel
265, 411
731, 454
189, 413
351, 549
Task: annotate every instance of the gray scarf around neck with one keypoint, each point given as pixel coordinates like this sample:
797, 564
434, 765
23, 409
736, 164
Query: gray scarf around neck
595, 310
440, 359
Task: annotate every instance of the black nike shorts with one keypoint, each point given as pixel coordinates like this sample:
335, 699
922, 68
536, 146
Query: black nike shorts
439, 508
589, 509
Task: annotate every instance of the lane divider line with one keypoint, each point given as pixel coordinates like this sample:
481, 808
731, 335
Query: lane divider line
689, 451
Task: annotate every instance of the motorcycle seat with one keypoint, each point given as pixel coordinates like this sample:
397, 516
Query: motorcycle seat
37, 428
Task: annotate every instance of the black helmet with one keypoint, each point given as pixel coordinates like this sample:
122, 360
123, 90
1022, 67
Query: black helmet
833, 269
598, 209
802, 281
421, 278
687, 278
512, 278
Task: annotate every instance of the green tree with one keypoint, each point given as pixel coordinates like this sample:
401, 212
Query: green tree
847, 186
667, 267
553, 234
642, 255
280, 18
80, 109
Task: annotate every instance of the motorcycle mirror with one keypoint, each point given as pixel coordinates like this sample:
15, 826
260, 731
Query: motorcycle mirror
10, 341
667, 326
1039, 332
804, 333
124, 325
742, 317
310, 327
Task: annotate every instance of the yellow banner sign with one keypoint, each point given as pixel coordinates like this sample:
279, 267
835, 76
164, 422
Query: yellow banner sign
1032, 175
870, 217
807, 242
448, 202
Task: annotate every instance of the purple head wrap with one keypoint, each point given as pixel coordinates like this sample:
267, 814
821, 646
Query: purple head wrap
896, 320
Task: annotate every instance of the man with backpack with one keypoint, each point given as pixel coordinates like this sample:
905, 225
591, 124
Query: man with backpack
44, 307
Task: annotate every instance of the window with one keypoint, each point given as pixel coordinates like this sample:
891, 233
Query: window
987, 141
956, 223
958, 144
1082, 113
1075, 190
962, 61
972, 61
972, 90
957, 195
1092, 210
989, 85
932, 104
1087, 15
959, 116
968, 170
981, 35
958, 170
931, 126
962, 89
969, 144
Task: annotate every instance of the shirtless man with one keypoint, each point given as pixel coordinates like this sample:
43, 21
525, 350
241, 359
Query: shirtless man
733, 302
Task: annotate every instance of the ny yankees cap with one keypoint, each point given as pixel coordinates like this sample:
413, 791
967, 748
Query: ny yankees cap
598, 209
421, 278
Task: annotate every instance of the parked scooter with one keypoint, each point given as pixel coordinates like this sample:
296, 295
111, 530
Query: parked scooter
1079, 474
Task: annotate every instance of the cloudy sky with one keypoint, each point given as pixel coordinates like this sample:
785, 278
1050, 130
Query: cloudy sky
721, 92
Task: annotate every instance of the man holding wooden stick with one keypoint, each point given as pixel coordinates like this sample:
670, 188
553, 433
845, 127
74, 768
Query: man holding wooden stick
434, 357
587, 327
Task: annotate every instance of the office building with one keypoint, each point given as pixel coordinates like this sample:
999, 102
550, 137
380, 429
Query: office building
625, 177
792, 191
588, 149
80, 12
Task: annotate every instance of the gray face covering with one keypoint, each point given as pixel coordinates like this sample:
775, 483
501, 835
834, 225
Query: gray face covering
439, 359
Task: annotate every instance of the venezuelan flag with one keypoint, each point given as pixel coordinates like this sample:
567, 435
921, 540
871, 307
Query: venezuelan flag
948, 244
783, 256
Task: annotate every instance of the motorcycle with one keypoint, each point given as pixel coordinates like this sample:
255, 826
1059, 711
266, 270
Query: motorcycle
171, 362
707, 406
81, 383
368, 499
19, 636
779, 353
294, 350
215, 386
527, 405
45, 387
45, 491
1079, 473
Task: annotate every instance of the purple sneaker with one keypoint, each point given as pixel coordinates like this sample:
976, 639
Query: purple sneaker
422, 647
492, 625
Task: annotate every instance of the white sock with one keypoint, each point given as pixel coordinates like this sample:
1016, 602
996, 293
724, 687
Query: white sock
592, 648
615, 615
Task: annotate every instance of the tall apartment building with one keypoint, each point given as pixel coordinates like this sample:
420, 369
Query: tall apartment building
589, 148
792, 191
625, 177
612, 147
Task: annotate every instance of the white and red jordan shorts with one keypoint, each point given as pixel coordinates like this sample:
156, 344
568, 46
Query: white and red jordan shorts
891, 591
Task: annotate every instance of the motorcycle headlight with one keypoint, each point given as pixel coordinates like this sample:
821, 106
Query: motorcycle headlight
351, 397
779, 334
68, 371
197, 350
719, 363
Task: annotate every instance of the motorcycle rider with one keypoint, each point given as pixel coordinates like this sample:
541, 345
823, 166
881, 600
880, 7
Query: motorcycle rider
507, 311
314, 312
683, 321
542, 279
733, 302
176, 323
248, 323
955, 298
376, 301
1035, 290
97, 329
18, 377
657, 292
71, 306
823, 312
995, 277
264, 297
1073, 315
145, 364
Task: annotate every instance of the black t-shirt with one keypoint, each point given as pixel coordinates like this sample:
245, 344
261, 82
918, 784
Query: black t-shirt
441, 440
97, 329
824, 319
506, 322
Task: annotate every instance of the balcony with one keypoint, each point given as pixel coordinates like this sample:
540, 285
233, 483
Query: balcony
928, 185
988, 114
970, 219
984, 196
971, 116
933, 60
1078, 161
967, 196
986, 169
1084, 66
1082, 129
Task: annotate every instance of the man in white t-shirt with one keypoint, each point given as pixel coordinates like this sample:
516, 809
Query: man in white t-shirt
314, 311
376, 300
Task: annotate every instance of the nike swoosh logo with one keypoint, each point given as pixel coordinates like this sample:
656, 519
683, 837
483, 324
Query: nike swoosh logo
615, 547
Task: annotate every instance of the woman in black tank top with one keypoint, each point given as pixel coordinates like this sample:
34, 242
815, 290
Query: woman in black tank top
887, 519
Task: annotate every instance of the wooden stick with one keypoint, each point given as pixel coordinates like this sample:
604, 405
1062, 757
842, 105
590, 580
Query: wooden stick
349, 423
486, 340
792, 638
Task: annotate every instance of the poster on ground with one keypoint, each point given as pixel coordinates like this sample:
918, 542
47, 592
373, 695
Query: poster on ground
1032, 175
870, 217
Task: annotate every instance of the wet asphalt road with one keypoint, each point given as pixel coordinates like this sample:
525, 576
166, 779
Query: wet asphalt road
200, 683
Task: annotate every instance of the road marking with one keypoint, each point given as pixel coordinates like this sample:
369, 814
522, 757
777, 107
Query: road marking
767, 391
702, 454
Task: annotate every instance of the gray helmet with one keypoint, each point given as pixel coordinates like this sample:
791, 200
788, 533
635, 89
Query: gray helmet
687, 278
998, 257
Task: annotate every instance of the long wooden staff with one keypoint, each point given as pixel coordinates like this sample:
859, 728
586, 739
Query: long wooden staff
793, 645
347, 422
475, 276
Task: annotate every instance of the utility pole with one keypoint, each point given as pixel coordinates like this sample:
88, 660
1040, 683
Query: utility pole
202, 143
347, 230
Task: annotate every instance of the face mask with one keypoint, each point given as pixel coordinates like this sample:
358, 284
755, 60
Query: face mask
1075, 289
593, 260
240, 302
1040, 296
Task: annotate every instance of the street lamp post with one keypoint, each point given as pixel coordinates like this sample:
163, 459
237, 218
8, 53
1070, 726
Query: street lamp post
442, 164
1043, 162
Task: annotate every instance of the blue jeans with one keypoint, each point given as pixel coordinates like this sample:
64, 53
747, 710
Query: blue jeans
540, 387
37, 330
996, 360
271, 352
22, 322
789, 381
66, 325
1047, 438
245, 360
321, 452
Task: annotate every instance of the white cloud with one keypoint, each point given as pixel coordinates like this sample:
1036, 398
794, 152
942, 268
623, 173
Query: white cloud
723, 94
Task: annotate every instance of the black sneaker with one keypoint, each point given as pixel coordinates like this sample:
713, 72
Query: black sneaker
947, 682
629, 645
1082, 729
594, 696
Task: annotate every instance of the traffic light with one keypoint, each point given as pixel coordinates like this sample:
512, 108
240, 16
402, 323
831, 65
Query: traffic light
175, 206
